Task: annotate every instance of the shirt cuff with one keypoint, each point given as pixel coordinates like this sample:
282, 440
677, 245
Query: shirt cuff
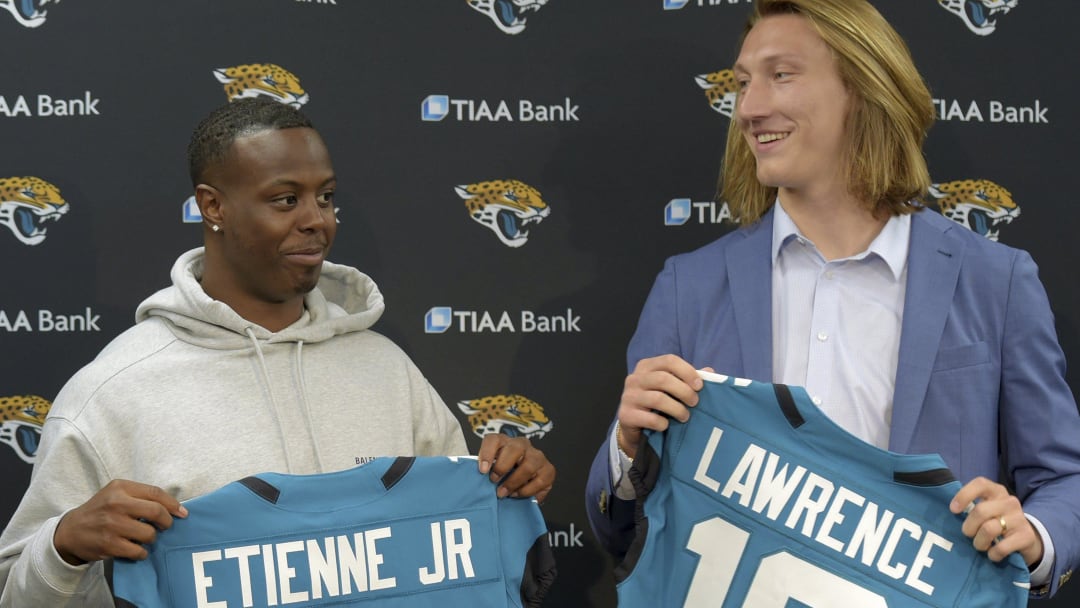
620, 463
1045, 569
61, 576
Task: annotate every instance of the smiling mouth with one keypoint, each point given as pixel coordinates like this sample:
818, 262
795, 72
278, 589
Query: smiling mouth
765, 138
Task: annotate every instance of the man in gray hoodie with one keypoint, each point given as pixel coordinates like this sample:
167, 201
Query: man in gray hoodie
259, 357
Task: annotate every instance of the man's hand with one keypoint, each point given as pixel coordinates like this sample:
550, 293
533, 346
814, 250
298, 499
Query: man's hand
997, 523
659, 387
530, 472
116, 522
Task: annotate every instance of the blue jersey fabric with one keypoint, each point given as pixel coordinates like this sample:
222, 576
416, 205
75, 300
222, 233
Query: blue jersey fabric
393, 532
761, 501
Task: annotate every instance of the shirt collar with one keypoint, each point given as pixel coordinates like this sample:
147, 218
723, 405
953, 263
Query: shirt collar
891, 244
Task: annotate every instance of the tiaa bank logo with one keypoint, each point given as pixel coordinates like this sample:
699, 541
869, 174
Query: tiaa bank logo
680, 211
262, 80
979, 15
978, 204
435, 108
507, 207
721, 90
189, 212
21, 417
508, 15
440, 319
512, 415
29, 13
27, 204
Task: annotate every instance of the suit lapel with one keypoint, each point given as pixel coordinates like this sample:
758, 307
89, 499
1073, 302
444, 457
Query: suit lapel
749, 269
934, 261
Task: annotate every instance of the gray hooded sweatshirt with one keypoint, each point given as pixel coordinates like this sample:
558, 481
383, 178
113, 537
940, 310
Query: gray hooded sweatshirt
193, 397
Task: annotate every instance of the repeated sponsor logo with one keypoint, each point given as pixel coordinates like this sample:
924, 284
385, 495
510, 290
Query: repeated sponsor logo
21, 417
980, 16
566, 538
48, 106
979, 204
506, 207
438, 107
508, 15
992, 111
675, 5
48, 321
334, 2
511, 415
680, 211
444, 319
28, 13
262, 80
189, 211
721, 89
27, 204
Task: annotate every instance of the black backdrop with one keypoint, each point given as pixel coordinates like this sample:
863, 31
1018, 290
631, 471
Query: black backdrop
98, 99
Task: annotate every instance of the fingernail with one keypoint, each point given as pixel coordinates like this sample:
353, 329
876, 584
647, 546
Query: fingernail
502, 492
954, 507
485, 466
183, 511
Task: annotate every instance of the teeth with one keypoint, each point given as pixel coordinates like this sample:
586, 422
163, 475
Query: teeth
765, 138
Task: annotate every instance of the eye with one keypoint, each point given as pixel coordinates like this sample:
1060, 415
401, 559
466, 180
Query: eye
326, 199
270, 81
288, 199
509, 195
781, 75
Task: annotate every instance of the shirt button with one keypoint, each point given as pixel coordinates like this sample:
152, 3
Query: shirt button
816, 400
828, 274
822, 336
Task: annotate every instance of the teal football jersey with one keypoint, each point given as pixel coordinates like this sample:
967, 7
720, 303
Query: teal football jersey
761, 501
393, 532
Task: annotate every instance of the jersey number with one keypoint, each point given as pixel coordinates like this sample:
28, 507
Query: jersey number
779, 577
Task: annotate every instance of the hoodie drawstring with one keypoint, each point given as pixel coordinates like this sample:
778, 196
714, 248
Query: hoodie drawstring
304, 403
273, 402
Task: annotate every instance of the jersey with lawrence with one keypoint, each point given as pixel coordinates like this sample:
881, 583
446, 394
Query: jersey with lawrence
760, 499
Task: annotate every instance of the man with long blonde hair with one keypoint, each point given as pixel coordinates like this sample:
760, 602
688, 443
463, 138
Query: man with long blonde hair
907, 331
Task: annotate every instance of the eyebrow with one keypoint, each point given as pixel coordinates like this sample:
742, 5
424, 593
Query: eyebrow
773, 59
292, 182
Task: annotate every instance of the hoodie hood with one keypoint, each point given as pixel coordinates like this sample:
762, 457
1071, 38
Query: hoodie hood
344, 301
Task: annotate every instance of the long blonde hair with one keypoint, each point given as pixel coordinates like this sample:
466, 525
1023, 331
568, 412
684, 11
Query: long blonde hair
891, 112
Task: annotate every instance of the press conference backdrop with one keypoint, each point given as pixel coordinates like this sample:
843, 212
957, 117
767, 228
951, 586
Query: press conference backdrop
512, 174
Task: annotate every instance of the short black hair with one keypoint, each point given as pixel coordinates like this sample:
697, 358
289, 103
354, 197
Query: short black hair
216, 133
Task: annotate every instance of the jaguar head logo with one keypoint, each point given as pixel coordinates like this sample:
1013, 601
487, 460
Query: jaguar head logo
980, 16
262, 80
978, 204
508, 15
27, 204
21, 418
507, 207
29, 13
512, 415
721, 89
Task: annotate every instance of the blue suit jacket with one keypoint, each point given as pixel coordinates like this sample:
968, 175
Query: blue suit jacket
980, 378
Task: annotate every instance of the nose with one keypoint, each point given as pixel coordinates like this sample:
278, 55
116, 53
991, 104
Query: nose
753, 101
312, 215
